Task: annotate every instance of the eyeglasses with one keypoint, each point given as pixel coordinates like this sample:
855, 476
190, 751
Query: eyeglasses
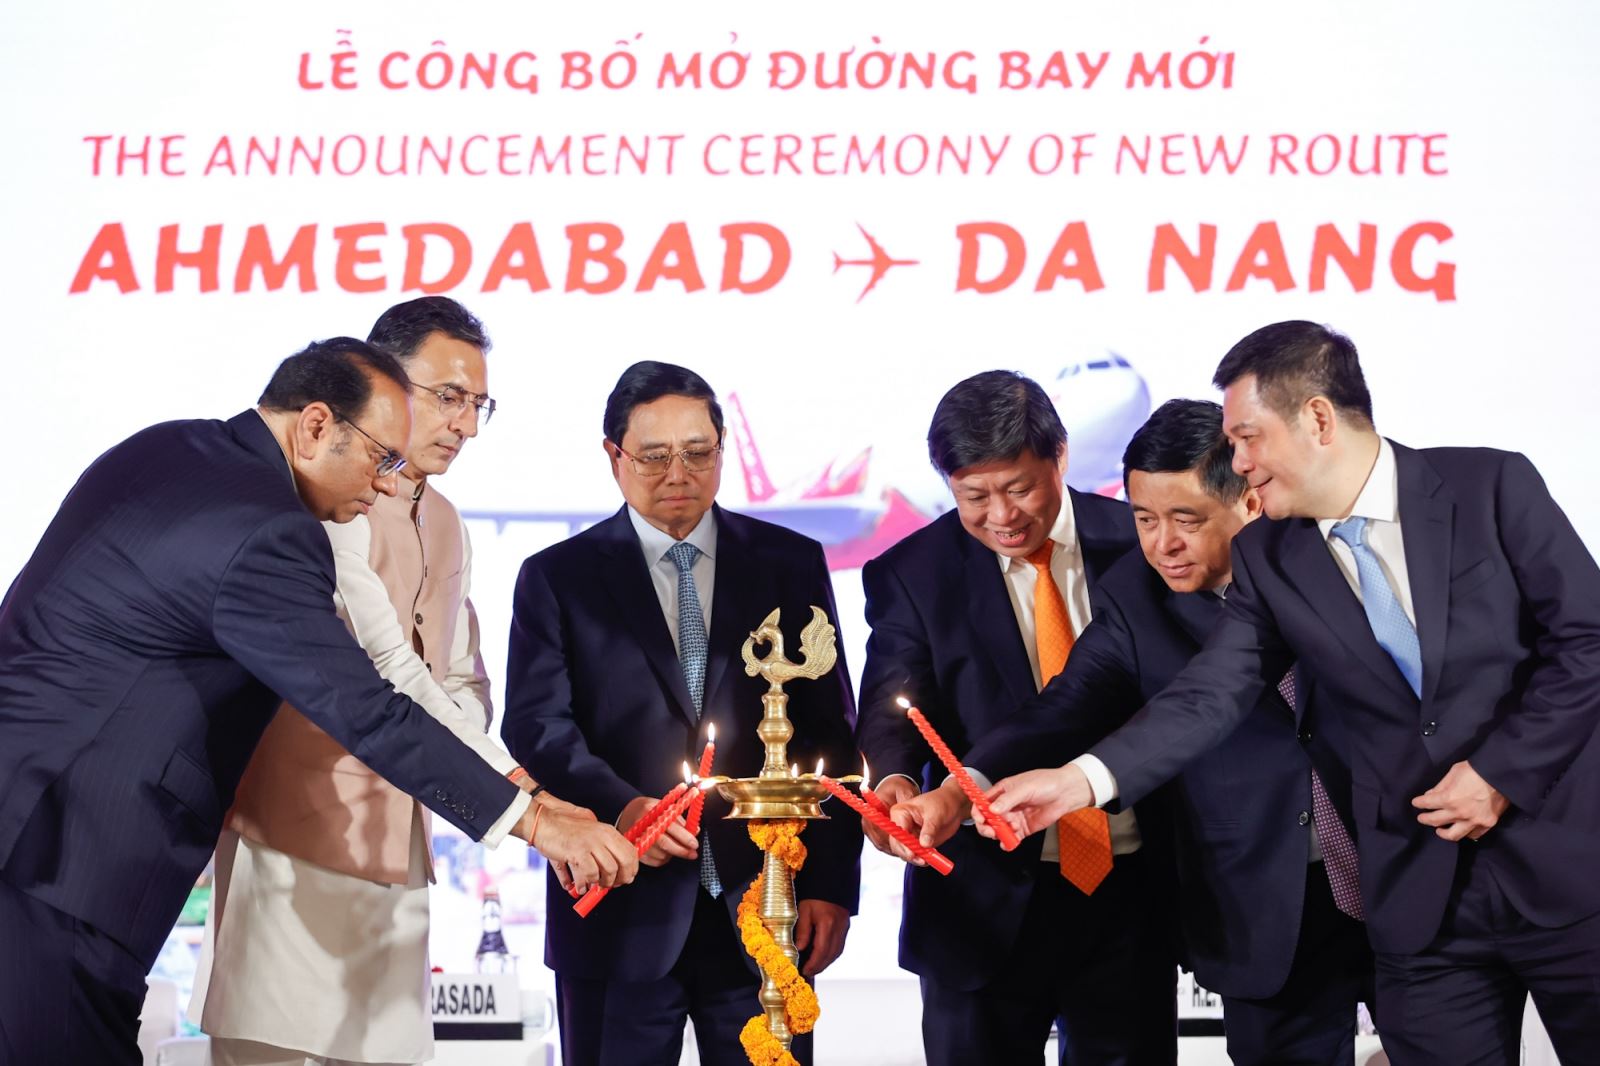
695, 460
391, 462
454, 400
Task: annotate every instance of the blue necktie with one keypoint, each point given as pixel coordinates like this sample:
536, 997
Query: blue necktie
693, 649
1395, 633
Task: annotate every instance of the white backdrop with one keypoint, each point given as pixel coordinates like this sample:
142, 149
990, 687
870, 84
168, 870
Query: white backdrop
1491, 107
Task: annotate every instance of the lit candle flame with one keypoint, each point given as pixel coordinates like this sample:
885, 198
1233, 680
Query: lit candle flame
819, 767
711, 733
866, 774
794, 769
687, 777
903, 703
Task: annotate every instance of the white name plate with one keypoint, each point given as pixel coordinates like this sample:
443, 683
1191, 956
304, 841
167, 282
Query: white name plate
476, 1006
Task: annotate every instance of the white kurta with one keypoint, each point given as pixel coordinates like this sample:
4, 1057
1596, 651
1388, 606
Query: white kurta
302, 957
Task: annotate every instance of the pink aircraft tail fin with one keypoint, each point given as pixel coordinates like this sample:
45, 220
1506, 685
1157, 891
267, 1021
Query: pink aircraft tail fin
757, 485
839, 479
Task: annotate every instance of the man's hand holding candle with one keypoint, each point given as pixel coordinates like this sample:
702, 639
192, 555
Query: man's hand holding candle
581, 851
675, 843
933, 816
1036, 800
892, 791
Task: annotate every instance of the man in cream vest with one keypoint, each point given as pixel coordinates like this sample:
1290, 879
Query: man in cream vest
316, 951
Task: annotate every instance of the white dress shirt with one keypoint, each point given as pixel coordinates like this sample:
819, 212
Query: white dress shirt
1066, 567
664, 572
1379, 504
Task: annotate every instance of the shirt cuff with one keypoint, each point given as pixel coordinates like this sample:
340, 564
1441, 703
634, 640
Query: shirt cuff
506, 822
1102, 786
891, 777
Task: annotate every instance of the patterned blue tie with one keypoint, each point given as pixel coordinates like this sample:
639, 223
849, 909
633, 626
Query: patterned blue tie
693, 650
1395, 633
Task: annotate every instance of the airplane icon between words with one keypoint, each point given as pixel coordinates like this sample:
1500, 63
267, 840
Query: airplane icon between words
880, 262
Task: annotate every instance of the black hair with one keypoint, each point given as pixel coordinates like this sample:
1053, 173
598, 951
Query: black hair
401, 330
992, 417
337, 372
1186, 435
1294, 361
648, 381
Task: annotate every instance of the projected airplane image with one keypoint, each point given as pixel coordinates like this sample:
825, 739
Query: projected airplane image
857, 511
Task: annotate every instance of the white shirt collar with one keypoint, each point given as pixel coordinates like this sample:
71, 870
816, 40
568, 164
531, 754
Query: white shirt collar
1064, 533
657, 543
1379, 499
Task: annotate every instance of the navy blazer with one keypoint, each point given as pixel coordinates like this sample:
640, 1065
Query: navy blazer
597, 709
1235, 822
945, 636
180, 594
1507, 604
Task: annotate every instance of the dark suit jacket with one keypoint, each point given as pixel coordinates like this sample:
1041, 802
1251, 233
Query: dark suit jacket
597, 709
180, 594
1233, 823
944, 635
1508, 617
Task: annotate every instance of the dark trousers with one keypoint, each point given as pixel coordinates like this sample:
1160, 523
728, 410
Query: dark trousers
1102, 963
69, 994
1311, 1020
640, 1023
1460, 1001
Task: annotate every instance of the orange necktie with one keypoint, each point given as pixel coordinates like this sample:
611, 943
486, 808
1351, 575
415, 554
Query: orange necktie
1085, 836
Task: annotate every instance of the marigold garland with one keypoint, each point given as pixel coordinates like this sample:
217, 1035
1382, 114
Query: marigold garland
781, 838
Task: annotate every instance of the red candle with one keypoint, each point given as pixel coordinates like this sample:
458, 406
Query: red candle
1002, 828
593, 897
648, 819
709, 752
707, 755
866, 788
882, 820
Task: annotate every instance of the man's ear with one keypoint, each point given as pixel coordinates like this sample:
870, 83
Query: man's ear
1249, 504
314, 429
1323, 418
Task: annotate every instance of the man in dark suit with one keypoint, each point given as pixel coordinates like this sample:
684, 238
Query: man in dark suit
624, 646
969, 615
184, 588
1268, 886
1449, 616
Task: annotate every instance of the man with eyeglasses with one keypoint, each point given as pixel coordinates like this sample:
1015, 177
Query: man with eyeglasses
184, 589
624, 651
316, 841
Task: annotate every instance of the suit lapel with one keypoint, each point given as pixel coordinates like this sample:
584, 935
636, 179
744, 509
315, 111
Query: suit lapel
1099, 544
733, 616
1426, 522
993, 618
1311, 567
628, 582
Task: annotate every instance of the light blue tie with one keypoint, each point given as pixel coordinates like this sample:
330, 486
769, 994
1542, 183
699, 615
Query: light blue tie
693, 649
1395, 633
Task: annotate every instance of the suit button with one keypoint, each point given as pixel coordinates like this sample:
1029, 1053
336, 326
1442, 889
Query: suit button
418, 618
1430, 729
1305, 818
439, 795
1305, 736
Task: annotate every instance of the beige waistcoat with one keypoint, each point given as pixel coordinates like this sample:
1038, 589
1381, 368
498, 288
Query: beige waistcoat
302, 793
